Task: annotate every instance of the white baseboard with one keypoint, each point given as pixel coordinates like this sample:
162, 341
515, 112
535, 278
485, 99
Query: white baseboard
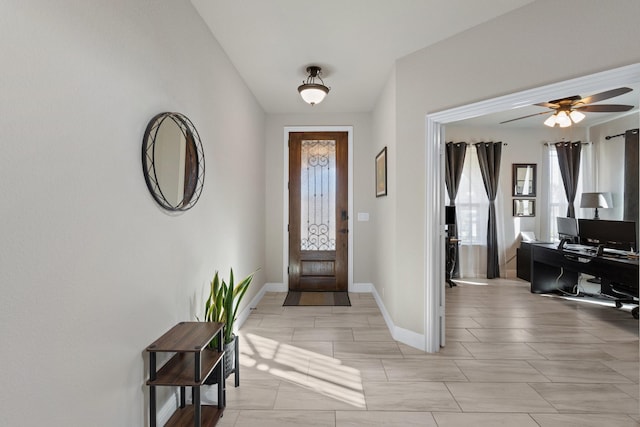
405, 336
167, 409
267, 287
361, 287
275, 287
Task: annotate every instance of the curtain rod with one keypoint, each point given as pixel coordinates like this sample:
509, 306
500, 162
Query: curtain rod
620, 134
472, 143
570, 142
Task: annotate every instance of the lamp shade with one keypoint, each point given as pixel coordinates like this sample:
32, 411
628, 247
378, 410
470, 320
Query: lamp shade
576, 116
551, 121
596, 200
562, 118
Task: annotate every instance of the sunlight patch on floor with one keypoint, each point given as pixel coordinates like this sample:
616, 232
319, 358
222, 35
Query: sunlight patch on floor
468, 282
592, 300
314, 371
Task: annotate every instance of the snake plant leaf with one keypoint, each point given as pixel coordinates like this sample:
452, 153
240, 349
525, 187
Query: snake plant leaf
224, 300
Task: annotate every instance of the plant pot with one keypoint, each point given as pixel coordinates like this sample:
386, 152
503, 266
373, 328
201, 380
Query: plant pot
230, 356
228, 362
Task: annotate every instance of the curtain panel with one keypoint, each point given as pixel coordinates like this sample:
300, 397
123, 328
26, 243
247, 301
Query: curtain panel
489, 156
454, 162
569, 163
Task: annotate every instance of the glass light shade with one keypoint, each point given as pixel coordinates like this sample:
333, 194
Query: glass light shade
551, 121
313, 93
563, 119
576, 116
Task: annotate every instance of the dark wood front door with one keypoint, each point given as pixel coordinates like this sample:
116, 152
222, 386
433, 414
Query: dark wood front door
318, 211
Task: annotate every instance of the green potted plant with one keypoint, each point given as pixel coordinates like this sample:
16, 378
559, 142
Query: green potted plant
222, 306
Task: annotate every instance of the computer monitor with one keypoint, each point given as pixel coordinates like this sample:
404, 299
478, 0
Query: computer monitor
567, 228
611, 234
450, 214
450, 220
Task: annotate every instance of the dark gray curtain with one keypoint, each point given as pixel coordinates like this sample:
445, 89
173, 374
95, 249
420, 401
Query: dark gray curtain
569, 162
631, 176
454, 160
489, 154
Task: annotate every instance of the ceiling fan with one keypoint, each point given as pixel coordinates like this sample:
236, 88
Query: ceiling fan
567, 111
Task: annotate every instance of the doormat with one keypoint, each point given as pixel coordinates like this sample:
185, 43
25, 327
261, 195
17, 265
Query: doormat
295, 298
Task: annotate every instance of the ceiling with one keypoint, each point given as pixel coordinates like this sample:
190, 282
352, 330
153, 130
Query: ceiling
356, 42
591, 119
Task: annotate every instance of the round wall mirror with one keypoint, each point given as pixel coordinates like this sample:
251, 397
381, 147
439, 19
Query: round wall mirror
173, 161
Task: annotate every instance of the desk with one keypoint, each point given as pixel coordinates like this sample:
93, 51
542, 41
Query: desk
548, 265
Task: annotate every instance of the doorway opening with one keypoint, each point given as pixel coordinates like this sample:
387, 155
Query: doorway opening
434, 295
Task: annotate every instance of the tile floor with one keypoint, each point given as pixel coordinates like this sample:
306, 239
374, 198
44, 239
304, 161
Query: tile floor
512, 359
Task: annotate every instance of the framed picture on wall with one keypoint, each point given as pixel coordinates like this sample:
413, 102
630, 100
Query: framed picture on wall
381, 173
524, 207
524, 179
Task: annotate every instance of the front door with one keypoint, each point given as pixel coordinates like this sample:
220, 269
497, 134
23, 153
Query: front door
318, 211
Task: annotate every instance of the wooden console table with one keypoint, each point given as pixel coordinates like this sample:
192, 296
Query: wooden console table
192, 363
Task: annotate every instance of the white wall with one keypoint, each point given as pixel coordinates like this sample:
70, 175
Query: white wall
92, 270
363, 191
514, 52
384, 135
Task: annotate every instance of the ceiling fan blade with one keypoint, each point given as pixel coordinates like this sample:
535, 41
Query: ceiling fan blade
548, 105
604, 108
604, 95
524, 117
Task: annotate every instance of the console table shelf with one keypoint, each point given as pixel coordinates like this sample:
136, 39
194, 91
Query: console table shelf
191, 364
180, 369
184, 417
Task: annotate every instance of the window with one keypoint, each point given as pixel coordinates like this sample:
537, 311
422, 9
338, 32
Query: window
472, 204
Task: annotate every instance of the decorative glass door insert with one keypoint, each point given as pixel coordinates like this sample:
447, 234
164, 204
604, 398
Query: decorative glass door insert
318, 195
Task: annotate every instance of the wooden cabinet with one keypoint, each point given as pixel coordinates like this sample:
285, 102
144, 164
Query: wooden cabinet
523, 261
191, 364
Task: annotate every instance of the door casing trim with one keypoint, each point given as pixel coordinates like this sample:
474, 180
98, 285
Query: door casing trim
285, 189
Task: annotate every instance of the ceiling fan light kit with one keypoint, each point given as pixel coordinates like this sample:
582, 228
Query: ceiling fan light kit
562, 119
568, 111
311, 92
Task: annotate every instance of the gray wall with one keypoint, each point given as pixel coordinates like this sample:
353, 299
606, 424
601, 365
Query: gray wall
92, 270
514, 52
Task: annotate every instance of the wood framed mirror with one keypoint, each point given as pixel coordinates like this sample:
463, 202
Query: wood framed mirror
524, 180
173, 161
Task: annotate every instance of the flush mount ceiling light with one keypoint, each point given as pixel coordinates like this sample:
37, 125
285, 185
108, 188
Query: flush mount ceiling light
311, 92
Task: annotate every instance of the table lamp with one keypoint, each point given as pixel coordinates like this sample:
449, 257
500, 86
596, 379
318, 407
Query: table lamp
596, 200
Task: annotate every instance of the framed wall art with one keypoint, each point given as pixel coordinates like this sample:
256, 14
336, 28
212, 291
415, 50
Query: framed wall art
524, 179
524, 207
381, 173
